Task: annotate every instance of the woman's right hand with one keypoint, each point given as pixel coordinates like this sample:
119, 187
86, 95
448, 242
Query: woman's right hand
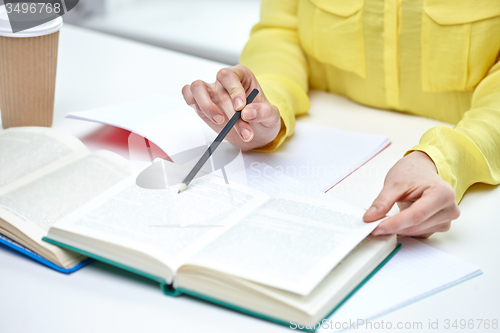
216, 103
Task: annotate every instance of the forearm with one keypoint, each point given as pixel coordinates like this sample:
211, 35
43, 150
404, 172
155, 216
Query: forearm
470, 152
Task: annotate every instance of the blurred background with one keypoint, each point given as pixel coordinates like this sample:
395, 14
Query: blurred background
214, 29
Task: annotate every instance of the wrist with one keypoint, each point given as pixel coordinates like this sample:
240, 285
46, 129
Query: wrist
274, 143
424, 159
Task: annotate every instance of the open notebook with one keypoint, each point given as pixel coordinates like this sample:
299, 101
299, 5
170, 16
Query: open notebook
316, 156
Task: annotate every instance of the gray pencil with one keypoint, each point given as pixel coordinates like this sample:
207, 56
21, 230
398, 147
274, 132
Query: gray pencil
215, 144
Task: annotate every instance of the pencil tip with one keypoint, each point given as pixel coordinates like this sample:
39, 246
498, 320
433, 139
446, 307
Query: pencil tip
182, 187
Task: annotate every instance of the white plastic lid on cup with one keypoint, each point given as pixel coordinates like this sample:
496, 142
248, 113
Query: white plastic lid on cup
40, 30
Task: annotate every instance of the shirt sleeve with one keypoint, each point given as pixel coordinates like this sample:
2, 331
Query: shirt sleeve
469, 153
274, 55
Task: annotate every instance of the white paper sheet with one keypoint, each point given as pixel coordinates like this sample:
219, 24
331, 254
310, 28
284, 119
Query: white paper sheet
167, 121
415, 272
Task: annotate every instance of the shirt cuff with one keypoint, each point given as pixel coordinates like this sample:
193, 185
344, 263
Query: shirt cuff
289, 98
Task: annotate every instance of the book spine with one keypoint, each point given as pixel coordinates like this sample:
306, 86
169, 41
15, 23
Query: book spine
169, 290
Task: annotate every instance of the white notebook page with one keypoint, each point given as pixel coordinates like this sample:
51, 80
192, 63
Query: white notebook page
415, 272
320, 156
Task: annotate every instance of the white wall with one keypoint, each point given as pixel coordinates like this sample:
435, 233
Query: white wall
92, 8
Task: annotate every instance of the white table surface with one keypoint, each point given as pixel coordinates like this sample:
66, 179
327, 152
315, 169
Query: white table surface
215, 29
96, 70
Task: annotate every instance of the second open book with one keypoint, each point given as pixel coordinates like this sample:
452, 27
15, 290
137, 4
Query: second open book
285, 258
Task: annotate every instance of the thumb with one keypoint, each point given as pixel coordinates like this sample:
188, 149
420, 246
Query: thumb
264, 113
383, 203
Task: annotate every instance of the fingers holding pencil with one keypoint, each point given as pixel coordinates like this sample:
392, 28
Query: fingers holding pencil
220, 137
213, 104
259, 124
235, 81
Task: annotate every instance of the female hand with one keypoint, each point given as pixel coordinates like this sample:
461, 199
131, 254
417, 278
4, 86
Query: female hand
426, 202
216, 103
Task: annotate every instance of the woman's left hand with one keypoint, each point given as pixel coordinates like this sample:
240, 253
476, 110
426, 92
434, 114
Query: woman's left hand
426, 202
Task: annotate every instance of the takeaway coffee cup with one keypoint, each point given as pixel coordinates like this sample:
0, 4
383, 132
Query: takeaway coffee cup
28, 61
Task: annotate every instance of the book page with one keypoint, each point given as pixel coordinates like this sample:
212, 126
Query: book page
267, 179
290, 242
30, 152
34, 207
160, 222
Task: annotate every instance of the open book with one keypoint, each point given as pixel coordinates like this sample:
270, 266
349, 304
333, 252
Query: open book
44, 175
283, 258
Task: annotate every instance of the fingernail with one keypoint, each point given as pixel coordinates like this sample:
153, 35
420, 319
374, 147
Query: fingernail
238, 104
378, 232
249, 113
218, 119
372, 210
246, 134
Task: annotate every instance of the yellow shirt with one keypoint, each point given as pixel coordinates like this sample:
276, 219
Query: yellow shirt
434, 58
